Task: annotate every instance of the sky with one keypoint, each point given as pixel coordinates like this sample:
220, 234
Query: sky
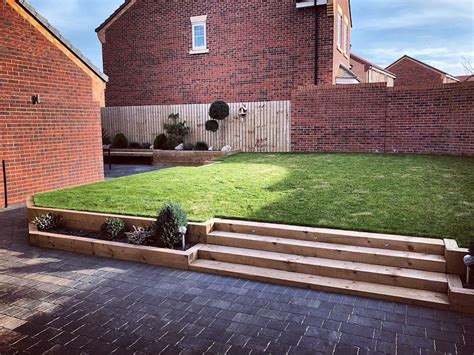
438, 32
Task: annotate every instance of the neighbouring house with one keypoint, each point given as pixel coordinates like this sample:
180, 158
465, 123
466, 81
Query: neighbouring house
368, 72
50, 100
465, 78
411, 71
188, 52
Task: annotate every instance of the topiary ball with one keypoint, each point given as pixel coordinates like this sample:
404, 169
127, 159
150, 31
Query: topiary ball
120, 141
201, 146
219, 110
161, 142
212, 126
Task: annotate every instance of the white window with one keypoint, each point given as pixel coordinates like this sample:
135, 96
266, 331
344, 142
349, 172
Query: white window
199, 34
377, 76
339, 30
345, 44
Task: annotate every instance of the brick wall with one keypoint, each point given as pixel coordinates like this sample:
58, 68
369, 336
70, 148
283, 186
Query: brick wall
409, 72
57, 143
373, 118
258, 51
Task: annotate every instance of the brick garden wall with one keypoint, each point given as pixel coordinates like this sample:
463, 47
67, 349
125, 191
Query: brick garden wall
57, 143
258, 51
373, 118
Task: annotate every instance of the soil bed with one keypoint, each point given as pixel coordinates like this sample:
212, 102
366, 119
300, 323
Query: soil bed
97, 235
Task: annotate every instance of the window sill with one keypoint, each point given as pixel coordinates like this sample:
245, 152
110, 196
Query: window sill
199, 51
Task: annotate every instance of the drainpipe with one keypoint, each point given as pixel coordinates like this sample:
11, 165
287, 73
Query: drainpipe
316, 43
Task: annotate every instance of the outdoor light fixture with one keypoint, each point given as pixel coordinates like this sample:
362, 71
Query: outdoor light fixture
35, 99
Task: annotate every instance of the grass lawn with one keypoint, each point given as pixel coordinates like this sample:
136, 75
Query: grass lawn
411, 195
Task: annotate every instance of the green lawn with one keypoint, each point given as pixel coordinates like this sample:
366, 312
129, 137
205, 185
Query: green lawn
410, 195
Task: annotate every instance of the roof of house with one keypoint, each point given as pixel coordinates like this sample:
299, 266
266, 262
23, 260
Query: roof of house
423, 64
463, 78
51, 29
111, 17
370, 64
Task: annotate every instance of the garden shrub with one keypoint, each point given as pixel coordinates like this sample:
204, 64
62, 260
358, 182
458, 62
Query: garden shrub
161, 142
176, 131
212, 125
188, 146
172, 142
170, 225
112, 228
47, 222
135, 145
146, 145
120, 141
219, 110
471, 247
140, 236
201, 146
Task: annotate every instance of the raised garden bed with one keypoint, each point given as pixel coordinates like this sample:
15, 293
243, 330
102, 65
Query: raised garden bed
171, 157
80, 231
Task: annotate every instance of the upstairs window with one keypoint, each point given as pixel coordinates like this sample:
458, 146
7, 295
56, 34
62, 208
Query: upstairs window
339, 30
347, 44
199, 33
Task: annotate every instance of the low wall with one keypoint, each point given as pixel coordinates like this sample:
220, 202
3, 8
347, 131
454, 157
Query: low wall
265, 128
377, 119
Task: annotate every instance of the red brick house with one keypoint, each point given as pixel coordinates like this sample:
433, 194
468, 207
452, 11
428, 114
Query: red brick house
167, 52
368, 72
50, 99
411, 71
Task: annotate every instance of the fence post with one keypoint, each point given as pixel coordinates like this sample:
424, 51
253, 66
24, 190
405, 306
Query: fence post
5, 190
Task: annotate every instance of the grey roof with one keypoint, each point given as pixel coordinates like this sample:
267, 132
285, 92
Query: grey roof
115, 13
32, 11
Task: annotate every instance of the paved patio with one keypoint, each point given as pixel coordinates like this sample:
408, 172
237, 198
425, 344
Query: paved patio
121, 170
58, 302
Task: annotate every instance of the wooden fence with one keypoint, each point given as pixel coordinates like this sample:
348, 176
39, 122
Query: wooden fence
265, 128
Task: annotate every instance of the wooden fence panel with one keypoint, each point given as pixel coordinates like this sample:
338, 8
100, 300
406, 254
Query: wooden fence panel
265, 128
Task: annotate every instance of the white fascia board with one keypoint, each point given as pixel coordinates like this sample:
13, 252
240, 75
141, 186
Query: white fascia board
300, 5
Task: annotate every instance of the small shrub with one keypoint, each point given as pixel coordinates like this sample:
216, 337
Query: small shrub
105, 137
113, 228
120, 141
135, 145
172, 143
146, 145
471, 247
201, 146
140, 236
170, 225
188, 146
212, 125
219, 110
161, 142
47, 222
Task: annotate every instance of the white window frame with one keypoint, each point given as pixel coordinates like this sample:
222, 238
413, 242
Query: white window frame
345, 38
339, 30
198, 21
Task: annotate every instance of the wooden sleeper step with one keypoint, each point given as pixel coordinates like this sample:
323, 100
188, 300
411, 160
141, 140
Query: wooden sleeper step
395, 258
363, 239
327, 284
377, 274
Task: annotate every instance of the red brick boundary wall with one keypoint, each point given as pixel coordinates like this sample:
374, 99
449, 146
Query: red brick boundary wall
54, 144
374, 118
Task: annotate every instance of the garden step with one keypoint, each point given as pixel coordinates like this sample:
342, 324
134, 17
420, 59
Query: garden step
396, 258
386, 275
363, 239
327, 284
